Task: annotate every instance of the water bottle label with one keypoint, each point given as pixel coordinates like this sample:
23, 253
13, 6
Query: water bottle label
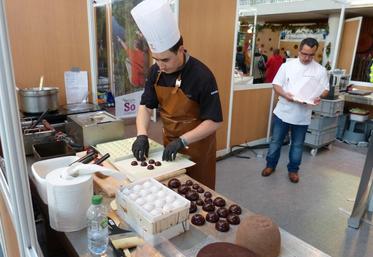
104, 223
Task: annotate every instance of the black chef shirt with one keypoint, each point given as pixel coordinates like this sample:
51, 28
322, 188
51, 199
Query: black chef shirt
197, 83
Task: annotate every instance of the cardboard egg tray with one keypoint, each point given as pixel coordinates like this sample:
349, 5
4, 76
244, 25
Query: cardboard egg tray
151, 217
122, 149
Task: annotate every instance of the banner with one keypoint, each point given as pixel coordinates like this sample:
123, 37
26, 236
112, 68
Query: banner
126, 106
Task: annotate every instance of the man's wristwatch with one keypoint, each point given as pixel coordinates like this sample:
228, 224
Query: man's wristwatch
185, 143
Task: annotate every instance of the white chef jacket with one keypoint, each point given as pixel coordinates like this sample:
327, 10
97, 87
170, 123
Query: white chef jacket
293, 77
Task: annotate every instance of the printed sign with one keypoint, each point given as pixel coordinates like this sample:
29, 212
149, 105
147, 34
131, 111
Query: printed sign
127, 105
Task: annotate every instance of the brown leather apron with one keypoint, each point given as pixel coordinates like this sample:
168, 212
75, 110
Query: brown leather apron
179, 115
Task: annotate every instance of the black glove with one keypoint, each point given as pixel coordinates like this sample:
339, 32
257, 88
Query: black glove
140, 148
169, 153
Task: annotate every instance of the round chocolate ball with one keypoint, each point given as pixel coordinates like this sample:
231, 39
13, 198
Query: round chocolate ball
134, 163
222, 212
207, 194
200, 190
233, 219
157, 163
151, 161
189, 182
174, 183
212, 217
198, 220
200, 202
183, 189
192, 195
195, 186
222, 225
193, 207
144, 164
208, 200
220, 202
150, 167
235, 209
208, 207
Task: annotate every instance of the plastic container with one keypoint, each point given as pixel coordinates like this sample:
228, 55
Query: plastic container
170, 221
322, 123
97, 230
329, 108
320, 138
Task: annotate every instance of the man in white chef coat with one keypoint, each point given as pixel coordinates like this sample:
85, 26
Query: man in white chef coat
299, 83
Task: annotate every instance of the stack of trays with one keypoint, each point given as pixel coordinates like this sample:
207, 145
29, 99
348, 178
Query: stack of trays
151, 208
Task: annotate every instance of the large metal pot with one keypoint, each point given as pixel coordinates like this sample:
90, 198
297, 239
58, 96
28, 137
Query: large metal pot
35, 100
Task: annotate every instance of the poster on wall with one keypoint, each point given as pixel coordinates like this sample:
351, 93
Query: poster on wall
130, 57
299, 34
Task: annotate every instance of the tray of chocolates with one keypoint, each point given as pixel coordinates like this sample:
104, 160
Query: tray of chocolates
153, 166
205, 208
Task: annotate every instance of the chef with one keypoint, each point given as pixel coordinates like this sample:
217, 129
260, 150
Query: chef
185, 91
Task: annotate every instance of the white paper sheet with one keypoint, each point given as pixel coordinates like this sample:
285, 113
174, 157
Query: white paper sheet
76, 86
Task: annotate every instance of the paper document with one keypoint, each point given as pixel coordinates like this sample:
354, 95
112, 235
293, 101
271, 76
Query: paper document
76, 86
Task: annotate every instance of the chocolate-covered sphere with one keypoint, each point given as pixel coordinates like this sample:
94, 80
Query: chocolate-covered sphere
233, 219
193, 207
174, 183
200, 190
151, 161
134, 163
235, 209
144, 163
183, 189
222, 212
157, 163
208, 200
198, 220
195, 186
220, 202
222, 225
207, 194
189, 182
192, 195
212, 217
150, 167
200, 202
208, 207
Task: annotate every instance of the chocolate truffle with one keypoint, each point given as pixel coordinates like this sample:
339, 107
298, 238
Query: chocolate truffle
200, 202
212, 217
208, 200
192, 195
151, 161
198, 220
183, 189
150, 167
208, 207
234, 208
134, 163
189, 182
222, 225
157, 163
174, 183
233, 219
200, 190
220, 202
144, 164
207, 194
222, 212
195, 186
193, 207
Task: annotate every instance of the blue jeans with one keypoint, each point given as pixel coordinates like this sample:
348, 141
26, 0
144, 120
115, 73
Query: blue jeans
279, 131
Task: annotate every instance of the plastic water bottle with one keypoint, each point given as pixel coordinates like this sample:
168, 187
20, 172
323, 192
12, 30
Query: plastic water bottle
97, 230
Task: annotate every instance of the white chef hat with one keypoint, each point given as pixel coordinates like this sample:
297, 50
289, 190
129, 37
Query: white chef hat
157, 23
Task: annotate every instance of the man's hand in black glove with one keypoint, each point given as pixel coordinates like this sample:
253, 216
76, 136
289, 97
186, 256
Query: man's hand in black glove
169, 153
140, 148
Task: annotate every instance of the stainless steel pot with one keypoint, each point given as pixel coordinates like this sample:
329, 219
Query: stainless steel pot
35, 100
